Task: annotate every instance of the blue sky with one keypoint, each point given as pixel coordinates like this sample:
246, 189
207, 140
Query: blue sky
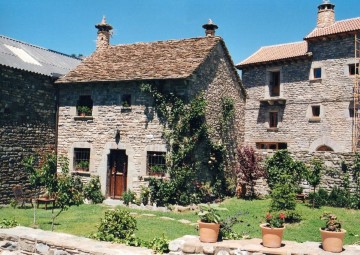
246, 25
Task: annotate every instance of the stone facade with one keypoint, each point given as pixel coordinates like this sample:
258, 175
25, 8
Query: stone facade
27, 124
299, 92
139, 128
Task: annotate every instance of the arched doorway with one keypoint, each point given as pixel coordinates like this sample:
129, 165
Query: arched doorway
324, 148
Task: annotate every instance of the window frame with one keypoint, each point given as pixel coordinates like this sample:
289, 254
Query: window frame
85, 101
81, 155
270, 145
273, 119
274, 83
317, 73
155, 158
353, 69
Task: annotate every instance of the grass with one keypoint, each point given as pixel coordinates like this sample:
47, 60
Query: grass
83, 220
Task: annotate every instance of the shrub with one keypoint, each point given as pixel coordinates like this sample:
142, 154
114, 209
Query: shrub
282, 198
129, 197
92, 190
313, 175
159, 244
116, 226
226, 227
162, 192
339, 197
144, 195
319, 198
5, 223
249, 170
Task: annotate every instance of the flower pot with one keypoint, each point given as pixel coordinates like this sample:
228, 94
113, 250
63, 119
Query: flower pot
209, 232
332, 241
271, 237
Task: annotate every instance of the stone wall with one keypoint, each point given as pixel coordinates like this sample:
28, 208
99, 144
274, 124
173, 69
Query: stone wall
333, 176
333, 93
139, 126
27, 124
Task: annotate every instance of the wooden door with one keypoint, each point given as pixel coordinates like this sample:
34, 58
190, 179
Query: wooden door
117, 173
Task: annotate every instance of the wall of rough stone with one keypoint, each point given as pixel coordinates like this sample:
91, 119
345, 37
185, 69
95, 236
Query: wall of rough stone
333, 175
27, 124
140, 129
333, 93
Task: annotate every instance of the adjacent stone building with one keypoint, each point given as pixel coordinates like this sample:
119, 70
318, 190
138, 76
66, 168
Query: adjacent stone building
300, 95
120, 137
27, 106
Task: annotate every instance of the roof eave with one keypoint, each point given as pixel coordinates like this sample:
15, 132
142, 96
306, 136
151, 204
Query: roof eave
247, 65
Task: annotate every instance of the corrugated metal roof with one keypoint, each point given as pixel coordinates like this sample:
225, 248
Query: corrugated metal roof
27, 57
276, 52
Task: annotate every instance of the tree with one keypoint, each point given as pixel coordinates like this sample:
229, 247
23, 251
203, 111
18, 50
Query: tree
249, 170
313, 175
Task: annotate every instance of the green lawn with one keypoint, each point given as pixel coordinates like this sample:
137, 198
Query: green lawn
82, 220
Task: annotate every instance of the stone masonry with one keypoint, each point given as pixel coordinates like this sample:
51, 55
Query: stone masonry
27, 124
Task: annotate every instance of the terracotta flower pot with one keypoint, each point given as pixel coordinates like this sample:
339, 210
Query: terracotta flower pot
209, 232
271, 237
332, 241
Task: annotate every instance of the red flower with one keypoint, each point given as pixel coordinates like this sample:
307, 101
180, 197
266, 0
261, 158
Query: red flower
268, 216
282, 216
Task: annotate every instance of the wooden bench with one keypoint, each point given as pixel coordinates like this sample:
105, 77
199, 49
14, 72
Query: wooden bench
46, 201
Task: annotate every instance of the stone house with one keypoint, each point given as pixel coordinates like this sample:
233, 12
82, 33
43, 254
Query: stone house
300, 94
120, 138
27, 106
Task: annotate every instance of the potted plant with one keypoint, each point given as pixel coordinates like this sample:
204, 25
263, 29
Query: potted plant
84, 110
332, 234
158, 170
272, 231
209, 223
82, 166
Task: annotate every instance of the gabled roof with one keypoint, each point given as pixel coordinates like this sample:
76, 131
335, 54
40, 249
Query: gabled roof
276, 53
342, 26
27, 57
172, 59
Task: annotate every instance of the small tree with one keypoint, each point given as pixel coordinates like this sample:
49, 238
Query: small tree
313, 175
249, 169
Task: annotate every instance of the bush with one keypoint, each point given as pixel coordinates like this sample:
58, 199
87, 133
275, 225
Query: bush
159, 244
282, 198
226, 227
116, 226
5, 223
339, 197
144, 195
319, 198
162, 192
129, 197
92, 190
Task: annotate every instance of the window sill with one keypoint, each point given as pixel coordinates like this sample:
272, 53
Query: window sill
316, 80
83, 117
126, 109
272, 129
81, 173
314, 119
273, 100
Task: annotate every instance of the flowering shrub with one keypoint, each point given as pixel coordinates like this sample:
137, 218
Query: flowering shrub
275, 222
332, 224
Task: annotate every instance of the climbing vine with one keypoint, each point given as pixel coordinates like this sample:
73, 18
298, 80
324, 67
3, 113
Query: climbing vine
196, 162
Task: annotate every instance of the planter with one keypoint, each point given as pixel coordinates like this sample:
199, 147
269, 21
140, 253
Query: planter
209, 232
271, 237
332, 241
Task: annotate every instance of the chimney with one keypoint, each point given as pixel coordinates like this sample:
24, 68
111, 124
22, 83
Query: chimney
103, 34
210, 28
326, 14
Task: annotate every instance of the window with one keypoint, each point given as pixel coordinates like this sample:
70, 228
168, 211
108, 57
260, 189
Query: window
315, 109
353, 69
273, 119
81, 159
84, 106
271, 146
156, 162
324, 148
126, 100
274, 85
317, 73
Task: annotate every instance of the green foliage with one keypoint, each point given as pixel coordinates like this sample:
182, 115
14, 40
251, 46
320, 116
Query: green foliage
144, 195
83, 164
332, 224
158, 170
226, 227
194, 158
292, 216
282, 197
92, 190
281, 168
339, 197
13, 203
159, 244
319, 198
129, 197
209, 213
84, 109
313, 175
275, 220
8, 223
117, 225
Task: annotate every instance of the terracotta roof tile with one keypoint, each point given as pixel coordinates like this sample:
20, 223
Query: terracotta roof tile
276, 52
338, 27
171, 59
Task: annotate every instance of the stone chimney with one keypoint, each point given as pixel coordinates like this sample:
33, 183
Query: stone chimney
326, 14
210, 28
103, 34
